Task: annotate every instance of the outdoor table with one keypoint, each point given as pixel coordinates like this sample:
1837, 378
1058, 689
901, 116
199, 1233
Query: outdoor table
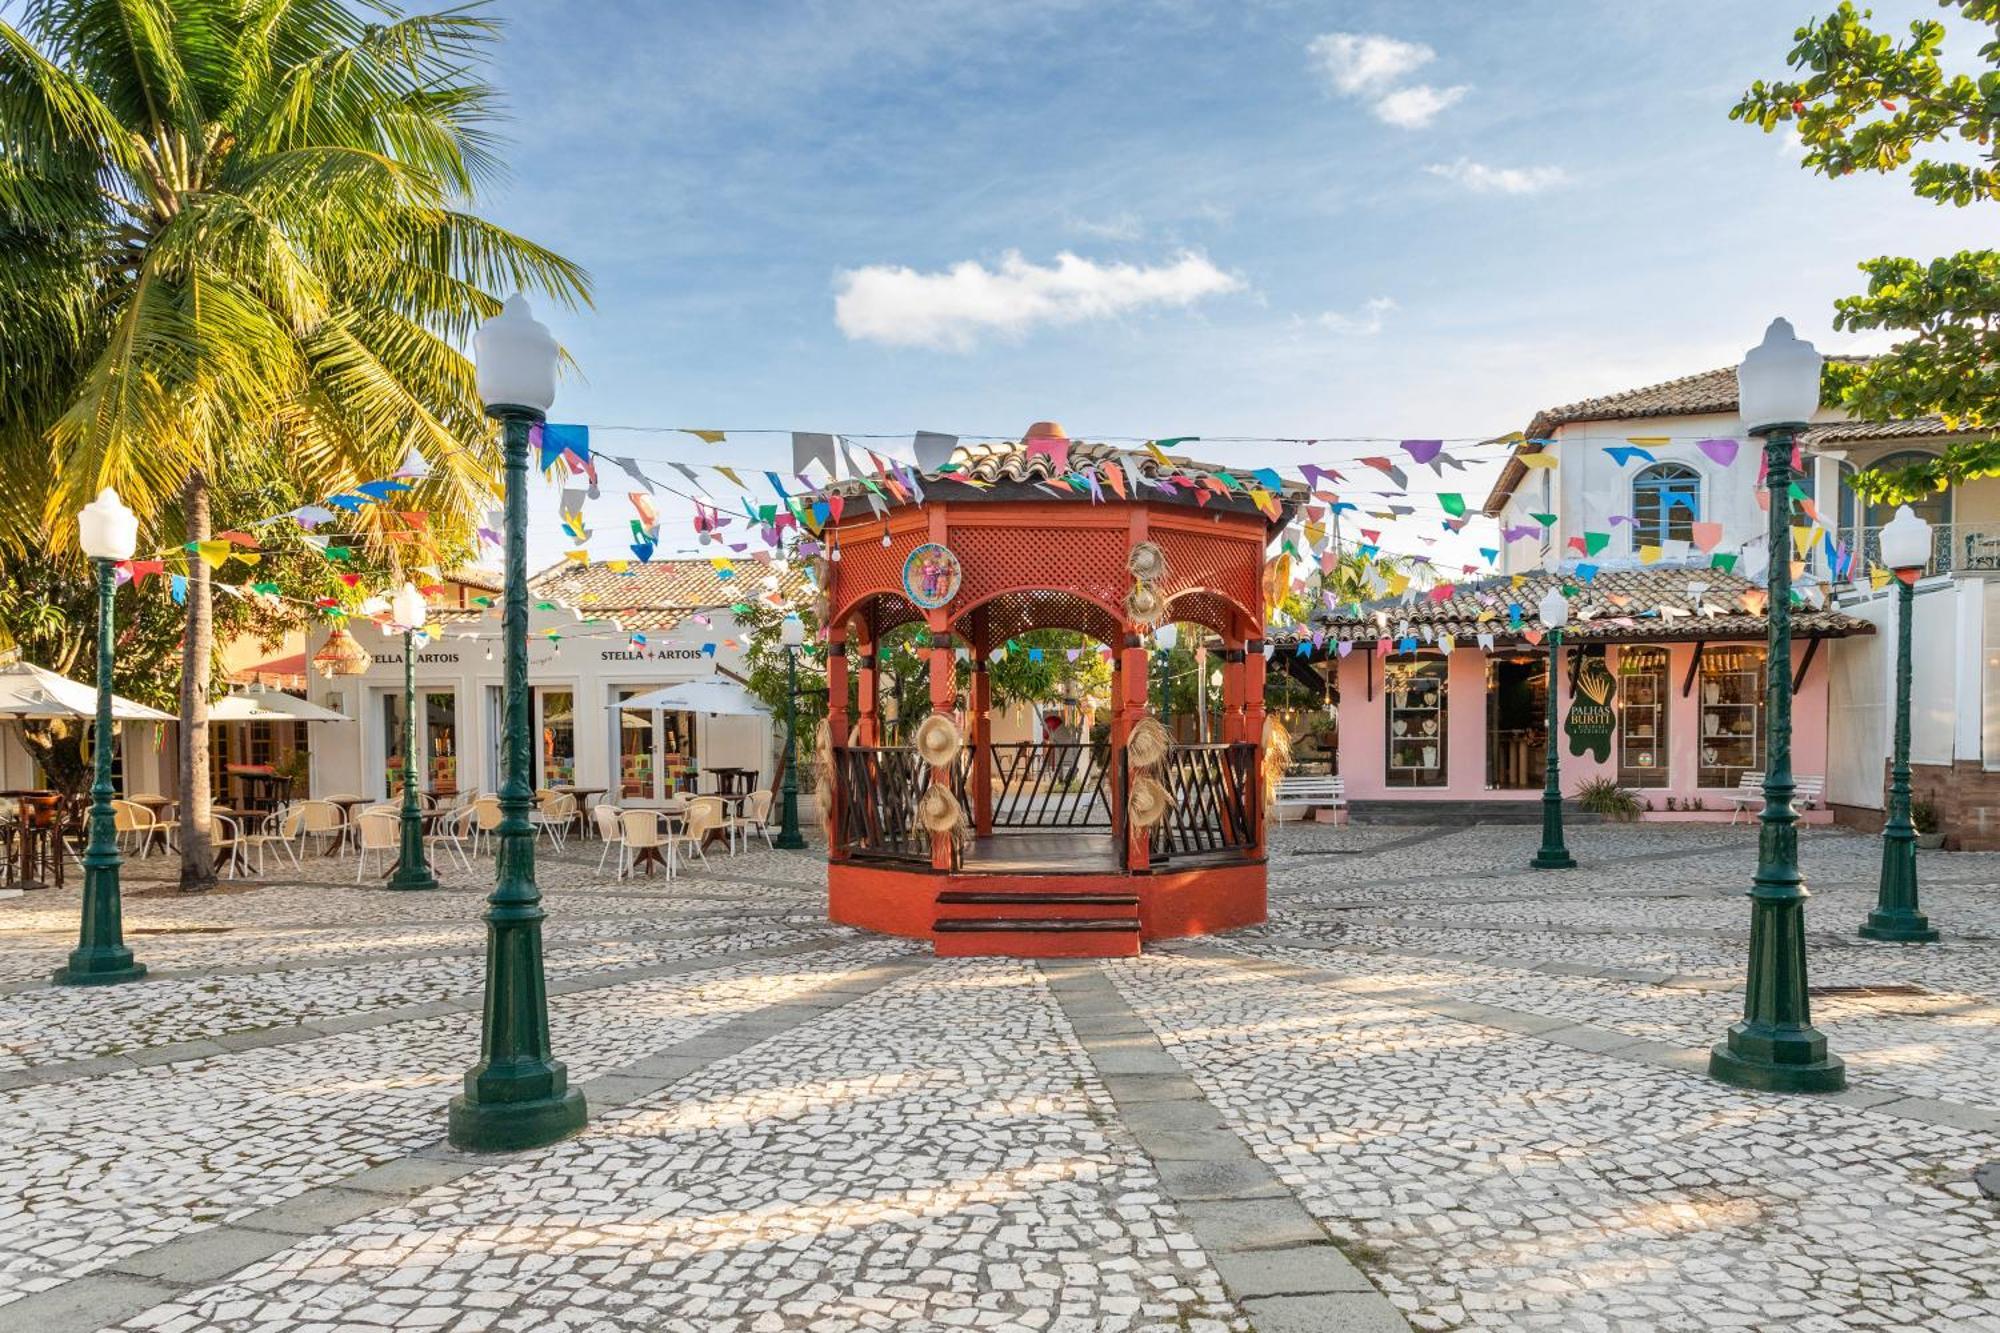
734, 781
584, 796
36, 844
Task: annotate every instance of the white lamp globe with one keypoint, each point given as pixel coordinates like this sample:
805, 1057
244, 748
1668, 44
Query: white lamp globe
1906, 541
515, 359
1555, 609
1778, 382
408, 609
106, 529
1168, 637
792, 631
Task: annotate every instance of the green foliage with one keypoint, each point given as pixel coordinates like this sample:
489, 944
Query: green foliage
768, 680
1869, 103
1603, 796
1017, 678
1924, 816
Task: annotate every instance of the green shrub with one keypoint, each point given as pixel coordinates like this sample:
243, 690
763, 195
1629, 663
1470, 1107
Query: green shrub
1924, 816
1602, 796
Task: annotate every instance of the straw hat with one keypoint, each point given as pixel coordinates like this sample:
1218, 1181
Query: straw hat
1148, 804
938, 810
1277, 756
1147, 562
937, 740
1145, 606
1148, 744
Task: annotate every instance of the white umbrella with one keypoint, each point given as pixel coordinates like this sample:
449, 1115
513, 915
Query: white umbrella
28, 692
270, 706
717, 696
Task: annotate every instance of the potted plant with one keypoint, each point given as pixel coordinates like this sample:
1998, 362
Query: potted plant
1924, 816
1602, 796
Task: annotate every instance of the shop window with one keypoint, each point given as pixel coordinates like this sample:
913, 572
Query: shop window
637, 747
1414, 694
1643, 692
1666, 502
678, 761
1732, 714
392, 741
1517, 720
558, 738
441, 741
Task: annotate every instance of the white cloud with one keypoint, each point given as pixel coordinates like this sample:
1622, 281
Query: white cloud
1365, 323
1482, 179
1121, 227
1372, 67
1414, 107
1359, 64
888, 303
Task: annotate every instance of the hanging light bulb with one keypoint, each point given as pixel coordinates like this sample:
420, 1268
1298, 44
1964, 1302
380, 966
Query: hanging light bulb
489, 652
885, 538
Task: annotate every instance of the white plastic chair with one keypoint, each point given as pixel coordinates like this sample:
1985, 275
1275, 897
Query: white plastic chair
610, 831
485, 820
705, 814
755, 817
138, 823
448, 830
643, 830
378, 831
310, 819
278, 829
554, 816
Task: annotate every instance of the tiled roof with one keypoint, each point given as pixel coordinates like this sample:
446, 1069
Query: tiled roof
1008, 461
484, 580
1707, 393
1834, 433
1617, 606
661, 593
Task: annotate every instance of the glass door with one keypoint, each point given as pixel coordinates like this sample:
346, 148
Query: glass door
555, 730
636, 742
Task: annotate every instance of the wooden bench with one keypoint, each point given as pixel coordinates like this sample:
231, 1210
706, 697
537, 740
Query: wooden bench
1749, 794
1310, 792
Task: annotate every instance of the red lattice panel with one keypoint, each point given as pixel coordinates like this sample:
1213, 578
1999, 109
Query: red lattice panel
1232, 567
1084, 560
1207, 610
868, 568
1015, 613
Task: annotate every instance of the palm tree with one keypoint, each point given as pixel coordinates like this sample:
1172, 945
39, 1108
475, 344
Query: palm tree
236, 227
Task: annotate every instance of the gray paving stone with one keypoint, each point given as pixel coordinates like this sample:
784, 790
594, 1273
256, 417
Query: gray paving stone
1325, 1314
203, 1256
1251, 1224
89, 1306
1299, 1271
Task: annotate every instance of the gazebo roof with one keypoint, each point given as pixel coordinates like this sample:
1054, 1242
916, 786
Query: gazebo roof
996, 470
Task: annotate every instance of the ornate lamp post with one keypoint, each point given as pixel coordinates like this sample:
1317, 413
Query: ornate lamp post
412, 870
1553, 854
108, 533
791, 633
518, 1095
1775, 1047
1906, 548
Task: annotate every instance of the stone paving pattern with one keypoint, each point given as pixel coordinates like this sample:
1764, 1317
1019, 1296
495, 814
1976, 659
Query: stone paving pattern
1447, 1090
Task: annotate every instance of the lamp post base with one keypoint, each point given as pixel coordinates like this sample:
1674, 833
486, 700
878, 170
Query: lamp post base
419, 878
488, 1126
1759, 1061
1558, 859
99, 969
795, 843
1899, 928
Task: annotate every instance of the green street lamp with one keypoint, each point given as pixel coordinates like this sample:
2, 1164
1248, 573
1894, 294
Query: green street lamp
518, 1095
1553, 855
108, 533
407, 611
1775, 1048
791, 633
1906, 548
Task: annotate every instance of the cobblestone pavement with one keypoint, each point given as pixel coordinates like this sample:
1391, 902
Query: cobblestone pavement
1436, 1090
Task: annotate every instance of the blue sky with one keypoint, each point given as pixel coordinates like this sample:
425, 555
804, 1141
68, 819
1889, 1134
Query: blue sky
1288, 219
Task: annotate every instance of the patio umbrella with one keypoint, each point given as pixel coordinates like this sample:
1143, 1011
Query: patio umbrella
28, 692
270, 706
718, 696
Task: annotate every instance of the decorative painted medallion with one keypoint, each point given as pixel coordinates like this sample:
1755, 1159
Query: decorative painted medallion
931, 575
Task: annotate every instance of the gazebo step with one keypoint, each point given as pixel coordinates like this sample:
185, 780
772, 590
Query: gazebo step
1031, 937
1003, 898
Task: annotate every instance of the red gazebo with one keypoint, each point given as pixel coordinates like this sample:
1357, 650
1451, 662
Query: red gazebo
1046, 848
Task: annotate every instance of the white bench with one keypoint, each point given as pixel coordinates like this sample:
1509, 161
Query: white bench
1749, 794
1310, 792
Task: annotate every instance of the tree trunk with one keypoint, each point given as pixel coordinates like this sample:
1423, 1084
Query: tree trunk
197, 658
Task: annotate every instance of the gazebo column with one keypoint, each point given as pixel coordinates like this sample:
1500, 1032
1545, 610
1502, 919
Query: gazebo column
1253, 733
1132, 677
1233, 669
836, 734
981, 710
867, 677
944, 699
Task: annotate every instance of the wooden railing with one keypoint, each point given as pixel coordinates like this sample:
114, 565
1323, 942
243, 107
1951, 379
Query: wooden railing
877, 787
1215, 799
1051, 784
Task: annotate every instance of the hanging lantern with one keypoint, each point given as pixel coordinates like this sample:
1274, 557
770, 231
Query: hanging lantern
341, 655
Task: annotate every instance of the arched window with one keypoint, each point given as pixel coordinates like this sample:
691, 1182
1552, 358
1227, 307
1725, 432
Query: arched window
1934, 508
1666, 502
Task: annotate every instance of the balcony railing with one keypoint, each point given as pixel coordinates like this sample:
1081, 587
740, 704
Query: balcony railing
1955, 548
